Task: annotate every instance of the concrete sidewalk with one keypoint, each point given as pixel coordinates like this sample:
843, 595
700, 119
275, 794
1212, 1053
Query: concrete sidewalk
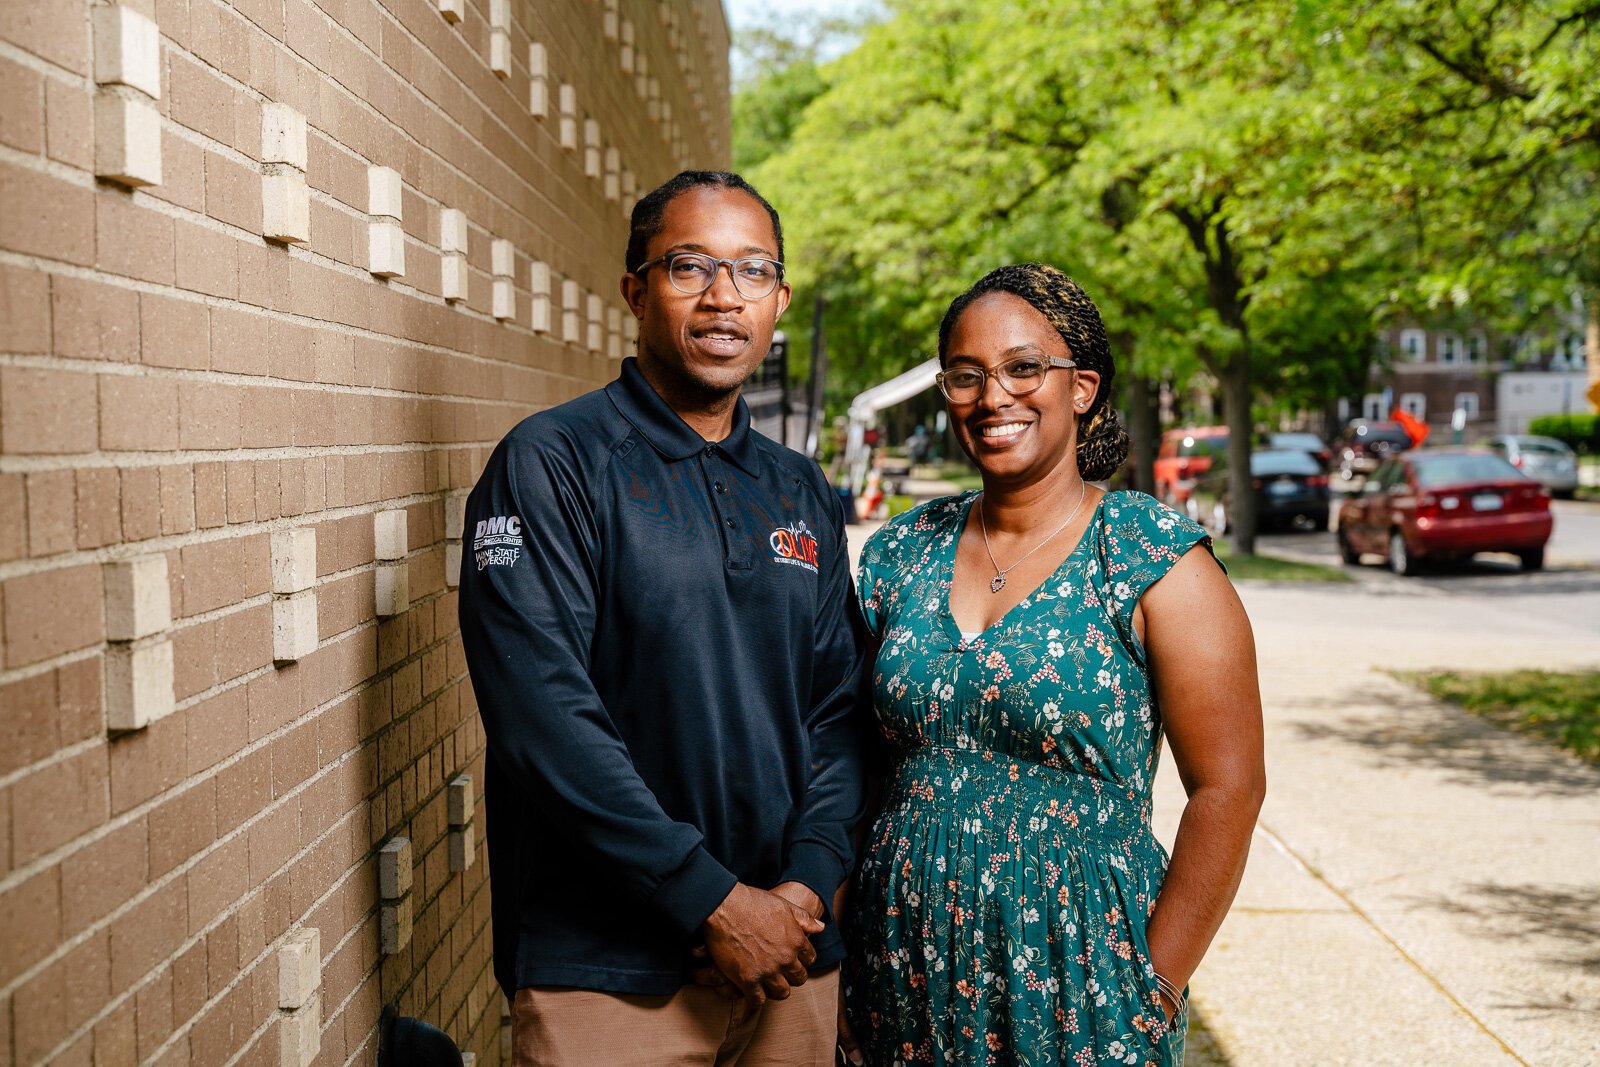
1423, 888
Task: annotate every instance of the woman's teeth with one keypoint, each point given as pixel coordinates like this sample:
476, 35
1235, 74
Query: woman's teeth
1004, 431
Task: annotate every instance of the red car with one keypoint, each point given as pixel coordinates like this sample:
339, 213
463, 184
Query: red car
1183, 456
1443, 504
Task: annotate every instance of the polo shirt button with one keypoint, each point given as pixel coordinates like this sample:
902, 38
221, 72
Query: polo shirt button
730, 523
719, 487
711, 450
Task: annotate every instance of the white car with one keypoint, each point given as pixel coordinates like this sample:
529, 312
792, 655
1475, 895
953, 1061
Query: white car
1542, 458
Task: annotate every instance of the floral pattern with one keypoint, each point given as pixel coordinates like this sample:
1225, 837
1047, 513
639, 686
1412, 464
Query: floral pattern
999, 914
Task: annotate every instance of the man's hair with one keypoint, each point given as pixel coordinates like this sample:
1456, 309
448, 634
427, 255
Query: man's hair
648, 212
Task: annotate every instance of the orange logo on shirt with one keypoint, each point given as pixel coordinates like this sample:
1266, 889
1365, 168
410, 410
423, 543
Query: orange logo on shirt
794, 545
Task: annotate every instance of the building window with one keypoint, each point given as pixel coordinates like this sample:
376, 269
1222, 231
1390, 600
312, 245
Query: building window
1477, 345
1372, 407
1414, 404
1414, 345
1575, 350
1449, 349
1467, 402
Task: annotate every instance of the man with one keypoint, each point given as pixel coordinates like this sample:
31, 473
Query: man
657, 616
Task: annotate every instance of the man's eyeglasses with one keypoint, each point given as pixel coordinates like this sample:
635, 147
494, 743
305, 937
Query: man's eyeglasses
1019, 377
693, 273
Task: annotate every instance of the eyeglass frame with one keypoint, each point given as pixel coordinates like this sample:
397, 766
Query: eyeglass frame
717, 265
1051, 363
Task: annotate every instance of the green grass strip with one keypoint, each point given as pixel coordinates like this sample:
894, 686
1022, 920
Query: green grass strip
1561, 707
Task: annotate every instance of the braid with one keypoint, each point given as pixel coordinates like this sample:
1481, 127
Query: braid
1102, 442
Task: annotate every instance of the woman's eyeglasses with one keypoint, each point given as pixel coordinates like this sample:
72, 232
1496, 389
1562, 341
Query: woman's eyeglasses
1019, 377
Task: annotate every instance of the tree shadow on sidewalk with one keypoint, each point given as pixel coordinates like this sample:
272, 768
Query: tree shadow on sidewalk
1561, 915
1201, 1048
1414, 729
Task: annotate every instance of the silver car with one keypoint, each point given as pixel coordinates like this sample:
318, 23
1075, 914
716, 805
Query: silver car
1542, 458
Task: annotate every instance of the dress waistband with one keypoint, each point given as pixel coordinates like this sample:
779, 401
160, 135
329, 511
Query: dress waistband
996, 787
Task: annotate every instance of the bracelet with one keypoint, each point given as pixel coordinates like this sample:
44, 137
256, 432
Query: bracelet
1174, 995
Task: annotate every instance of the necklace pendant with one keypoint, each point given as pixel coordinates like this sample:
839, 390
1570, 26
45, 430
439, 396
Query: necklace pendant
997, 583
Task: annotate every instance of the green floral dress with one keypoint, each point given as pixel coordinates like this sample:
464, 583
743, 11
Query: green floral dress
999, 914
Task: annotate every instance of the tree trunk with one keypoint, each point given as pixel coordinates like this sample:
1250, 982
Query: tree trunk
1591, 346
1143, 396
1236, 393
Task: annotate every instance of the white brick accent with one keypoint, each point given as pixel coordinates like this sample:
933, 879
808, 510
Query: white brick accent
394, 926
630, 329
504, 300
283, 135
595, 338
571, 327
630, 192
625, 60
613, 333
127, 50
591, 148
539, 98
459, 800
538, 60
392, 589
455, 515
285, 208
613, 187
452, 230
469, 1059
383, 192
299, 968
390, 539
452, 564
300, 1035
502, 258
127, 140
453, 276
452, 10
294, 626
386, 248
138, 684
294, 560
569, 294
539, 278
641, 75
608, 23
568, 97
541, 314
500, 53
138, 598
463, 848
500, 14
394, 868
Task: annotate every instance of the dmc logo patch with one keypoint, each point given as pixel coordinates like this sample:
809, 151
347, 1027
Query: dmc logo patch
794, 546
497, 541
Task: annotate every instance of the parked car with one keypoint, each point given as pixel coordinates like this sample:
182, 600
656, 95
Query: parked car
1543, 458
1183, 456
1445, 503
1309, 443
1290, 489
1366, 443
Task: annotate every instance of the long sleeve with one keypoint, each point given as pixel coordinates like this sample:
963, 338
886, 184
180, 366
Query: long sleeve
528, 611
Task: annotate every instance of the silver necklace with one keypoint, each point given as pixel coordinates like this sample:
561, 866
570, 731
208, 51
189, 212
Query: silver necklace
998, 582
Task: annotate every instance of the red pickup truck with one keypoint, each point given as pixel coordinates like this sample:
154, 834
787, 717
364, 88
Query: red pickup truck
1184, 455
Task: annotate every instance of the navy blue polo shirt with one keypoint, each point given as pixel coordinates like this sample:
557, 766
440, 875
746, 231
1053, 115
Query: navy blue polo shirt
665, 653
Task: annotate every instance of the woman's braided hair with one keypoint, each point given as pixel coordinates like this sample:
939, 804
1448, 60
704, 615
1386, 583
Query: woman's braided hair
1102, 440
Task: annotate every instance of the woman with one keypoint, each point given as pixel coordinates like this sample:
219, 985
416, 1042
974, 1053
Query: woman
1037, 640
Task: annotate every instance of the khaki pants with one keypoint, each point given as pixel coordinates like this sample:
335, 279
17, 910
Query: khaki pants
560, 1027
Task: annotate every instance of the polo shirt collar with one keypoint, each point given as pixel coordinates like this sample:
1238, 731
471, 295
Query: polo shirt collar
666, 431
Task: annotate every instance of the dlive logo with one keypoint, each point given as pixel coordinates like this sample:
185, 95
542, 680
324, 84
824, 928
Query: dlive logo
794, 546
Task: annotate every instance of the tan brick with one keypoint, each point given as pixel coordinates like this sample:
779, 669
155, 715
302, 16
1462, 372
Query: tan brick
153, 1012
21, 108
223, 572
173, 332
63, 800
148, 934
138, 413
146, 762
55, 32
177, 499
182, 826
24, 311
244, 642
51, 612
30, 922
274, 839
233, 192
94, 320
98, 878
116, 1042
208, 415
238, 341
68, 124
13, 517
218, 881
99, 507
28, 722
45, 412
266, 488
141, 503
210, 495
52, 512
243, 790
201, 100
182, 171
267, 419
131, 239
42, 215
190, 984
241, 491
208, 261
79, 710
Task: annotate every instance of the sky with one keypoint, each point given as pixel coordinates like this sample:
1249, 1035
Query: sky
743, 14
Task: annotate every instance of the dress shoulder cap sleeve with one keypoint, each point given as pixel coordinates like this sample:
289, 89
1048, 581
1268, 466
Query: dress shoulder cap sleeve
1141, 539
899, 547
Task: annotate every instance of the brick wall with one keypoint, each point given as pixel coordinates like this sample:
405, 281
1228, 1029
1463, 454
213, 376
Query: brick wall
274, 277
